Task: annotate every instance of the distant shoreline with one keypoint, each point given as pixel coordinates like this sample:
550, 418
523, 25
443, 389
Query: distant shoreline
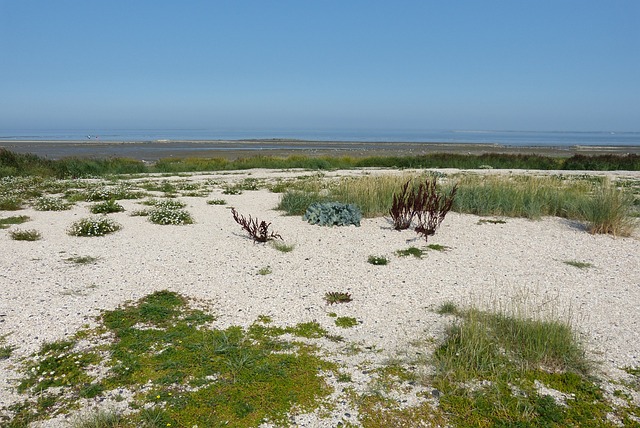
234, 149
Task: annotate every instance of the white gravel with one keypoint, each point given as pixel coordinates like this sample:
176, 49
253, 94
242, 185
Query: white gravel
45, 298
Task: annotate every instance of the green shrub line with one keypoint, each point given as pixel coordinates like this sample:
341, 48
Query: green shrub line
15, 164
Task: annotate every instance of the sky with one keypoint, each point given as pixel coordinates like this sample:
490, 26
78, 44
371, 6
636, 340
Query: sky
323, 64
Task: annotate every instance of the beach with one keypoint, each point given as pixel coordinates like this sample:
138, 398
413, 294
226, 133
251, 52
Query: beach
46, 298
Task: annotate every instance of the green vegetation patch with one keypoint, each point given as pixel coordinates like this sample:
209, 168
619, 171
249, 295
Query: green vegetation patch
179, 370
411, 251
7, 221
346, 322
378, 260
106, 207
25, 235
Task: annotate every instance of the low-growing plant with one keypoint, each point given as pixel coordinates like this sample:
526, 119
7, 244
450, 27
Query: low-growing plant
216, 202
378, 260
411, 251
94, 226
25, 235
106, 207
101, 418
257, 230
5, 350
447, 307
7, 221
579, 265
50, 203
139, 213
332, 297
265, 271
486, 220
333, 214
104, 193
346, 322
82, 260
169, 216
437, 247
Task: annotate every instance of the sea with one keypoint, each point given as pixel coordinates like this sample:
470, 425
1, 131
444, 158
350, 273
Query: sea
500, 137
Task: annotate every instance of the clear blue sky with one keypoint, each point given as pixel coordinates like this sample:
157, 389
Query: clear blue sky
494, 65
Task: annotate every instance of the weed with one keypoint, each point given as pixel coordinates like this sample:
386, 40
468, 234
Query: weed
257, 230
216, 202
431, 207
49, 203
5, 222
411, 251
607, 211
378, 260
106, 207
25, 235
579, 265
97, 226
332, 297
346, 322
5, 350
139, 213
403, 208
448, 307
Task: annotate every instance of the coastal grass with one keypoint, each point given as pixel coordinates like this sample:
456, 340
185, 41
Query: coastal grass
15, 164
411, 251
578, 264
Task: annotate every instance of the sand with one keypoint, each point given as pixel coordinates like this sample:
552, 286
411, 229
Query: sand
45, 298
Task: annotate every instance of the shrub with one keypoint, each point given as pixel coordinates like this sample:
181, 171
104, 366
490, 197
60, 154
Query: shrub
49, 203
257, 230
333, 214
106, 207
25, 235
403, 208
96, 226
164, 216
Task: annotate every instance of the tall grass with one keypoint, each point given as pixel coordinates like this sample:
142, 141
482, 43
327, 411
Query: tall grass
609, 211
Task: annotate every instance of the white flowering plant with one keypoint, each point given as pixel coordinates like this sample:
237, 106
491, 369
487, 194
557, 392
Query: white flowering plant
51, 203
94, 226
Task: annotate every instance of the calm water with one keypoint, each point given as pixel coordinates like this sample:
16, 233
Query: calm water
507, 138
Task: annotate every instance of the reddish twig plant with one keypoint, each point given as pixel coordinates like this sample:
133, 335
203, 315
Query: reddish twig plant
431, 207
403, 208
257, 230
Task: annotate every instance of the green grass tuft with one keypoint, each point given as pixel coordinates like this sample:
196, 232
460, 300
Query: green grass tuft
7, 221
25, 235
378, 260
411, 251
579, 265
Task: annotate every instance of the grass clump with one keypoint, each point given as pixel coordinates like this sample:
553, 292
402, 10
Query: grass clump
5, 350
101, 418
181, 372
94, 226
49, 203
437, 247
10, 203
7, 221
25, 235
378, 260
106, 207
609, 211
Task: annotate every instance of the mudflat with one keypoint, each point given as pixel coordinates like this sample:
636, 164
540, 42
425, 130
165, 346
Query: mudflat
234, 149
